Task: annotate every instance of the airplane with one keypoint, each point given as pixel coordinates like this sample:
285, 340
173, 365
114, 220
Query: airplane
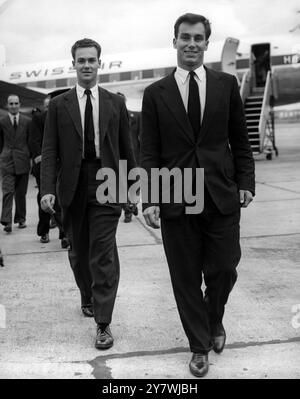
131, 72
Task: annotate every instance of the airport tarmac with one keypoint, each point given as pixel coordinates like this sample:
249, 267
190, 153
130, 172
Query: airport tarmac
43, 333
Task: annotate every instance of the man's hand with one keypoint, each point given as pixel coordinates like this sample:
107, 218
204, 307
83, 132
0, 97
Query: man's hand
47, 203
245, 198
151, 216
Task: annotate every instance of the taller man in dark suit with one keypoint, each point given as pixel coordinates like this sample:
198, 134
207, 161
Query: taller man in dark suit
14, 163
87, 129
194, 118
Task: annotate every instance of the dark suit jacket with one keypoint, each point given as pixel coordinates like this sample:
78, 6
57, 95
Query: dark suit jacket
14, 151
222, 147
36, 133
63, 141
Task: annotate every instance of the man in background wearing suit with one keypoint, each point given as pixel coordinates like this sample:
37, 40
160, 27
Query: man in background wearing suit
134, 129
194, 118
14, 163
36, 135
87, 129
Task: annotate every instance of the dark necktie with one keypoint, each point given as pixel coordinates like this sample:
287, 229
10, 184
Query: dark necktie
89, 133
194, 107
15, 123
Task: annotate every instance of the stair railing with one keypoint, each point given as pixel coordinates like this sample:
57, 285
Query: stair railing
245, 89
265, 111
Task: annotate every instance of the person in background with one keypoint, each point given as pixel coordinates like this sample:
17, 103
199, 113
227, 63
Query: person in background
14, 164
36, 134
130, 208
1, 259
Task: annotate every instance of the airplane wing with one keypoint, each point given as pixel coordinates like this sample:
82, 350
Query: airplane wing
29, 98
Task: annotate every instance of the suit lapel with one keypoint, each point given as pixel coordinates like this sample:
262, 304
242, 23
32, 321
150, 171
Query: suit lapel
10, 127
105, 110
172, 98
214, 88
72, 106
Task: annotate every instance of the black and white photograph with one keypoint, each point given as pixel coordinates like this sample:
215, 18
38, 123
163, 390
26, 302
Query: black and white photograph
149, 192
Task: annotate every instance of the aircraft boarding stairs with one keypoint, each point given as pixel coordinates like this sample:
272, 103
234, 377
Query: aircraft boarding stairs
257, 94
260, 120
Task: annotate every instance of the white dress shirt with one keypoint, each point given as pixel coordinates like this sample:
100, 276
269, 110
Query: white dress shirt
182, 78
95, 104
11, 117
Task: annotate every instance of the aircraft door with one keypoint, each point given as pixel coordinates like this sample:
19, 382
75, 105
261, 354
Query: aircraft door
260, 63
228, 58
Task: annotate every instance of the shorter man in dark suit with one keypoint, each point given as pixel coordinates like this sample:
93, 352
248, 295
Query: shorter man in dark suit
14, 163
87, 129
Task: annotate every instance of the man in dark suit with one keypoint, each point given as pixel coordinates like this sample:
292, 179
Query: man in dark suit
35, 145
87, 129
134, 129
14, 163
194, 118
36, 134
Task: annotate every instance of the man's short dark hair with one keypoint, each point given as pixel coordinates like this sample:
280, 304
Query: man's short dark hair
193, 19
85, 43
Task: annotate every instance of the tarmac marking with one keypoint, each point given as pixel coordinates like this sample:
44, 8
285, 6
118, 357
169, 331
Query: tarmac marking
159, 242
279, 200
102, 371
279, 188
271, 235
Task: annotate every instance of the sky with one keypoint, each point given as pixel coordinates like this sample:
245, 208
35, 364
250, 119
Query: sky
43, 30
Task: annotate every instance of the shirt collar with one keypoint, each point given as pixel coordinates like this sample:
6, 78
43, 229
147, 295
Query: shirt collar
80, 90
183, 73
12, 116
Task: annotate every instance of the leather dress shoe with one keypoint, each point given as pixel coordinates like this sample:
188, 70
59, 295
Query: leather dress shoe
44, 239
65, 243
104, 338
218, 338
8, 228
199, 364
22, 225
87, 310
128, 217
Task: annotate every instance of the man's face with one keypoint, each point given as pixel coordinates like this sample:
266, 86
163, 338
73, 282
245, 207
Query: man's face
86, 64
13, 104
190, 45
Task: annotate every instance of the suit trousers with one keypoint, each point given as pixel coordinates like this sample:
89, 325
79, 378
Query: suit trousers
91, 228
14, 186
208, 245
